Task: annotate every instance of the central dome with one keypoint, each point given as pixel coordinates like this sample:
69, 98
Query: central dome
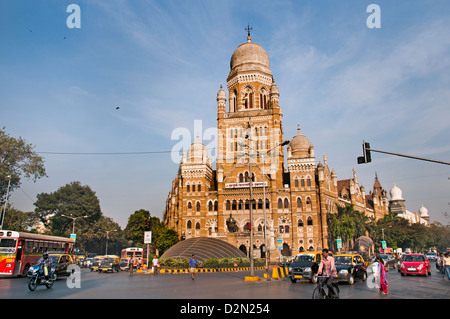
250, 56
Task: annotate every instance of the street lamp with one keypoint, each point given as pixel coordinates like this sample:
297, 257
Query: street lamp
248, 137
74, 219
6, 201
107, 237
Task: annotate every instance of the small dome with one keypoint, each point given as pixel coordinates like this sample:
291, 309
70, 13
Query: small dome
221, 95
250, 56
423, 211
299, 145
396, 193
197, 152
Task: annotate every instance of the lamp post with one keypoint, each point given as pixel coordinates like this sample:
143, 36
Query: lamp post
74, 219
6, 201
248, 137
107, 237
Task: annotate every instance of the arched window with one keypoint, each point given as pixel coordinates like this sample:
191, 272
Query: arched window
188, 188
280, 203
189, 224
260, 204
300, 223
234, 205
299, 203
228, 205
241, 178
310, 221
197, 225
216, 206
267, 203
241, 204
286, 229
199, 187
198, 206
308, 203
210, 206
286, 203
189, 205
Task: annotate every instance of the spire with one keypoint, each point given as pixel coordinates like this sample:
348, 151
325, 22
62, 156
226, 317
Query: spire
248, 29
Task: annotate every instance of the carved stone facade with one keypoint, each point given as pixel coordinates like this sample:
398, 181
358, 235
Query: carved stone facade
292, 203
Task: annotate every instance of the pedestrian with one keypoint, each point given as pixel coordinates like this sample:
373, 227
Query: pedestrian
439, 263
382, 279
130, 265
193, 265
446, 265
155, 265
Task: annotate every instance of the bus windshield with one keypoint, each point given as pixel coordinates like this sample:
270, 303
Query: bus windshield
7, 245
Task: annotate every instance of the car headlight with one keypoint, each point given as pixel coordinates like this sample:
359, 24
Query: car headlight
343, 271
290, 269
308, 269
420, 267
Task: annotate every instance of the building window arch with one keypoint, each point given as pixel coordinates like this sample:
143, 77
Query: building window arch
197, 206
247, 98
280, 203
308, 203
210, 206
216, 206
300, 223
197, 225
189, 205
310, 221
299, 203
227, 205
189, 224
286, 203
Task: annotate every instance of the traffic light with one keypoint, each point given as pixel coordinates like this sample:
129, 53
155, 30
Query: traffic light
147, 225
366, 158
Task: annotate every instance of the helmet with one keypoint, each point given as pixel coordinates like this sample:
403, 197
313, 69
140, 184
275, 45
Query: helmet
45, 255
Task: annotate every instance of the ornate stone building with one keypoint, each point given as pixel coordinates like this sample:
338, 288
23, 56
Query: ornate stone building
289, 205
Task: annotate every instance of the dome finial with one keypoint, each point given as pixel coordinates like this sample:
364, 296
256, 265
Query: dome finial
298, 129
248, 29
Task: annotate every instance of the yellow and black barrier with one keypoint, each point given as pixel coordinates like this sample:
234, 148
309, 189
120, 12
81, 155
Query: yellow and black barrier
279, 273
184, 270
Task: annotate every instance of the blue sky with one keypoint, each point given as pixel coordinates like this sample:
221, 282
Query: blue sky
162, 63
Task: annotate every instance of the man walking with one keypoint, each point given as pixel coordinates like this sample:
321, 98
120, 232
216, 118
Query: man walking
193, 265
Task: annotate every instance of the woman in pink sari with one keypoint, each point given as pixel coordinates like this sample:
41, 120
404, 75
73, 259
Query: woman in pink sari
382, 279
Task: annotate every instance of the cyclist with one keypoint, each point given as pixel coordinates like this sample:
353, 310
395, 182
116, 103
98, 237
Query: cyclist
328, 268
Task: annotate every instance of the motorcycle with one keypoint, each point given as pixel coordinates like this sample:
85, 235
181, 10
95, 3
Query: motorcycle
37, 278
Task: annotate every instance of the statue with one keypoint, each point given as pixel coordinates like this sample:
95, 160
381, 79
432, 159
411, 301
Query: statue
231, 225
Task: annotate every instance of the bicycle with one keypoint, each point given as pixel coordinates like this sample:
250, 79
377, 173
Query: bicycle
319, 291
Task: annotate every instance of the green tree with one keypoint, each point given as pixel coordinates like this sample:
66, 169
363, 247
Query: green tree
17, 160
136, 226
19, 221
162, 237
77, 201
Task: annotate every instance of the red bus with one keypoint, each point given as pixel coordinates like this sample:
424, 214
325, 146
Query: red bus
132, 252
19, 250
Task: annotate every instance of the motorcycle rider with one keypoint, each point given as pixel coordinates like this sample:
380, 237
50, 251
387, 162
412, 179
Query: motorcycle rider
46, 264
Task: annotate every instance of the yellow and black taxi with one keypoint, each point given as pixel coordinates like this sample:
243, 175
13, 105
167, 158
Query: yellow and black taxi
350, 267
96, 262
305, 266
60, 263
109, 263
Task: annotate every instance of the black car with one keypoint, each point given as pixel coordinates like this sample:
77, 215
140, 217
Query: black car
350, 267
389, 261
305, 266
109, 264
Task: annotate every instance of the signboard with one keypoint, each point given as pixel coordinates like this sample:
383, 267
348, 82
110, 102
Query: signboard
280, 244
245, 185
339, 243
383, 244
73, 237
147, 237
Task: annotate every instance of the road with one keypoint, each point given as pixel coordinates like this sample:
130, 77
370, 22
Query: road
220, 285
